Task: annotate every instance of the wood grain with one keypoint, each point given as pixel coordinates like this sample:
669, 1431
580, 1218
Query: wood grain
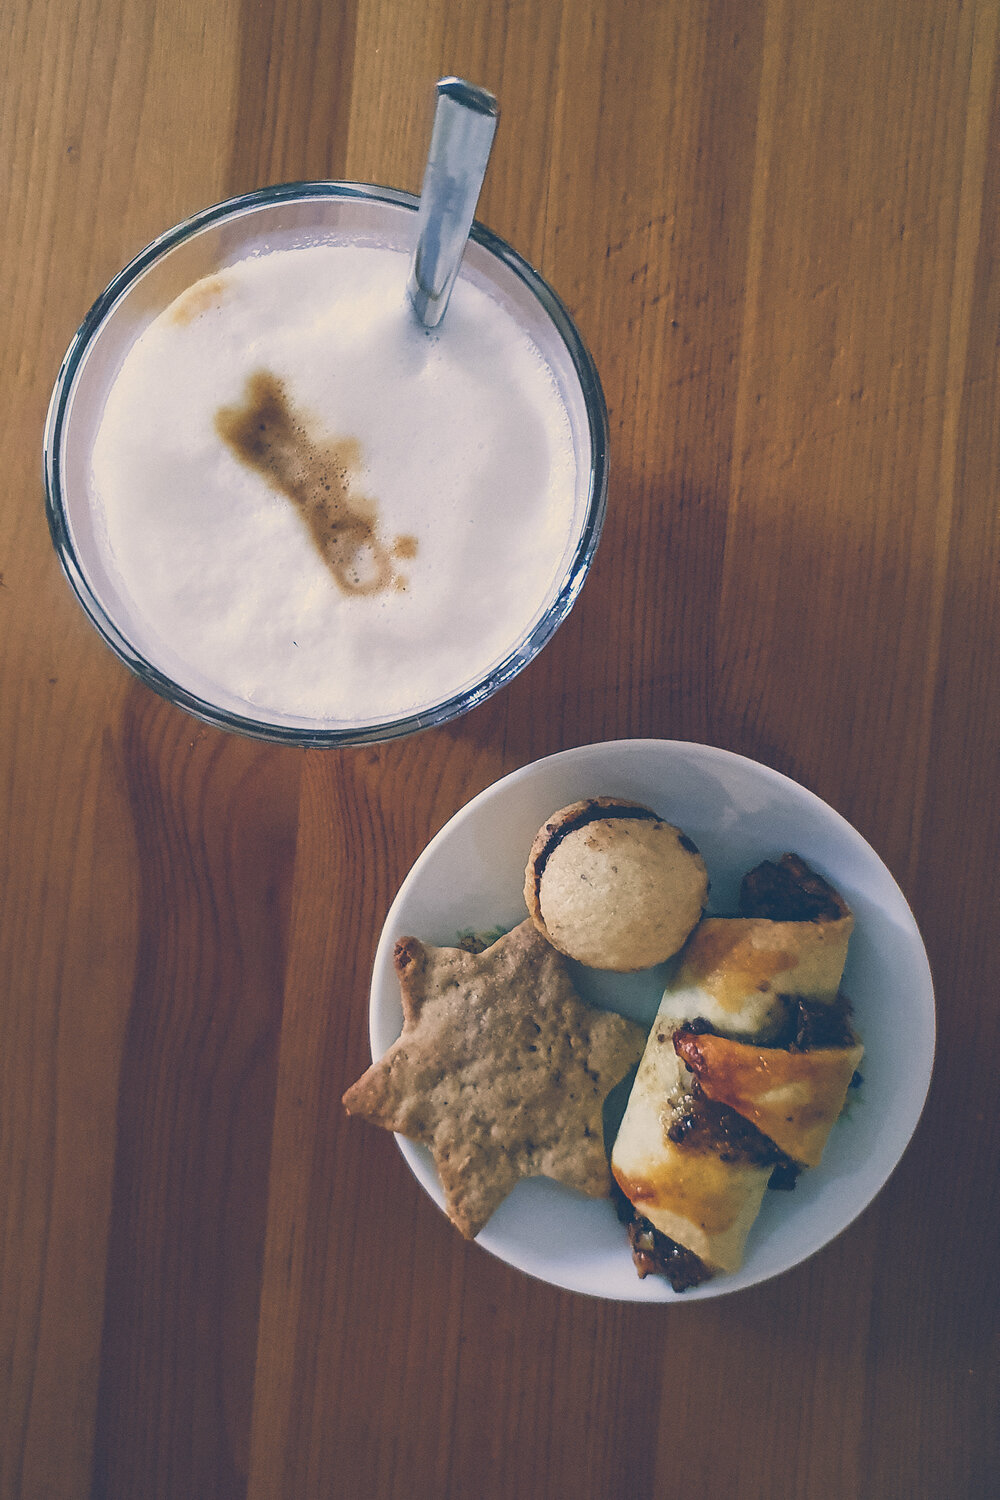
776, 224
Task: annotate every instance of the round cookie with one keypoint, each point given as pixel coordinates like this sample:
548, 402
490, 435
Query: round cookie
612, 885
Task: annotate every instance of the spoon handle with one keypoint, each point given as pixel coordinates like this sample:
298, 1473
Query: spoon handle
465, 122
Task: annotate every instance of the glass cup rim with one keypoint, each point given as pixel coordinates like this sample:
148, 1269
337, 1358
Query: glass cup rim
318, 735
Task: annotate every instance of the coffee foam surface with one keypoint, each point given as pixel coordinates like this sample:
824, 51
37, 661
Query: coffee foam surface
464, 445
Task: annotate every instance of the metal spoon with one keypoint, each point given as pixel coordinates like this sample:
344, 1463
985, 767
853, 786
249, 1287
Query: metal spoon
465, 122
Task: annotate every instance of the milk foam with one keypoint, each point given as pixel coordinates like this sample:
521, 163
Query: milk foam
464, 445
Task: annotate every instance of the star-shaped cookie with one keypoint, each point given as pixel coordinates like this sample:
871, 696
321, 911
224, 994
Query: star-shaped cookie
501, 1069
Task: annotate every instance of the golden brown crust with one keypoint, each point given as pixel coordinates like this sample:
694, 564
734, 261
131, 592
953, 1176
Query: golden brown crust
795, 1098
742, 965
733, 975
696, 1197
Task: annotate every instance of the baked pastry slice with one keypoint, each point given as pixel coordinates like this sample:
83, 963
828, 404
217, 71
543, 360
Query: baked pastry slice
733, 971
688, 1176
795, 1098
696, 1149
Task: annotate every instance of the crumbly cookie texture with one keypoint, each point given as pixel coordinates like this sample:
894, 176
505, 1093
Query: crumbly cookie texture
611, 884
501, 1070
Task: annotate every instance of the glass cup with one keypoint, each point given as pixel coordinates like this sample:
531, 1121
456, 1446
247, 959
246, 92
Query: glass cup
275, 218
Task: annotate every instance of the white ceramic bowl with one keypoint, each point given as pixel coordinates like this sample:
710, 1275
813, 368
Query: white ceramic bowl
470, 877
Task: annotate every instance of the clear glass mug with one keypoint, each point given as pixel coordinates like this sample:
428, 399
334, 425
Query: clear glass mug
274, 218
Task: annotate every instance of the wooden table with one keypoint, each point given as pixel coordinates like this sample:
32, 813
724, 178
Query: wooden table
776, 224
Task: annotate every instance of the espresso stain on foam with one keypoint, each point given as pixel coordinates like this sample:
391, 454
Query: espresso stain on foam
320, 477
200, 298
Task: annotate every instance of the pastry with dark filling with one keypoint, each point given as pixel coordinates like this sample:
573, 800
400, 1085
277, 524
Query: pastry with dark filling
611, 884
744, 1074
